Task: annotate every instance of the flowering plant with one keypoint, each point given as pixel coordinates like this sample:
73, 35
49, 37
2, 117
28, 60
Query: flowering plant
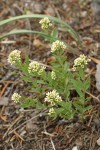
53, 89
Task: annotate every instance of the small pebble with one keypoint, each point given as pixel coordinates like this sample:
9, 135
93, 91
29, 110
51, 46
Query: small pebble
97, 76
98, 141
75, 148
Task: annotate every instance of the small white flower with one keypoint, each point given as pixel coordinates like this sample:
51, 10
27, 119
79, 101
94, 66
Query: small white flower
33, 67
51, 111
16, 97
45, 23
57, 46
41, 70
81, 61
14, 56
75, 148
53, 75
53, 97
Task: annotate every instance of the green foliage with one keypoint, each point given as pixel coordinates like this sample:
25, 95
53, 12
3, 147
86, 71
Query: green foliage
62, 82
54, 19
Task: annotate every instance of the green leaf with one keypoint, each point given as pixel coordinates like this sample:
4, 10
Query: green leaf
68, 28
87, 84
27, 32
78, 107
82, 73
87, 108
78, 85
29, 103
66, 105
50, 38
55, 33
59, 110
40, 82
27, 79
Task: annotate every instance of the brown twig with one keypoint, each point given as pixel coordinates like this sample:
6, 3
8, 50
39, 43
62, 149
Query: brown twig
24, 123
93, 96
12, 126
4, 88
90, 121
52, 144
18, 135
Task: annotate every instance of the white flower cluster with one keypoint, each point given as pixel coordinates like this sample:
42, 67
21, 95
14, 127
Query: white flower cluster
16, 97
53, 97
41, 70
51, 111
57, 46
81, 61
34, 66
45, 23
14, 56
53, 75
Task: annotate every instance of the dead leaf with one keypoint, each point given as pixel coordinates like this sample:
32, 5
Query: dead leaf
51, 59
37, 43
4, 101
97, 61
3, 117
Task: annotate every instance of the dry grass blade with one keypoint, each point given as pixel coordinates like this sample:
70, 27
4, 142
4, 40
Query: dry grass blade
12, 126
24, 123
53, 144
98, 100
